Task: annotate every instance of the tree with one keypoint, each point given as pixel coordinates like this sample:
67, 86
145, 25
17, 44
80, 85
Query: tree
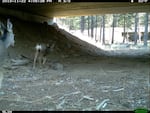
96, 28
146, 29
135, 29
88, 25
92, 26
103, 19
71, 24
126, 21
82, 23
113, 27
124, 29
129, 18
101, 25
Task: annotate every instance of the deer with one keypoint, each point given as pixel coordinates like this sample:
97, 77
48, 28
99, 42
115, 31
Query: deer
6, 38
41, 52
7, 35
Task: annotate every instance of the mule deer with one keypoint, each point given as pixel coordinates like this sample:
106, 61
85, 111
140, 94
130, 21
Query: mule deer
7, 36
41, 53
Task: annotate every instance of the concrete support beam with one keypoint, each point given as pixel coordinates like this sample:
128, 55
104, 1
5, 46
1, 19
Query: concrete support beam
43, 12
23, 15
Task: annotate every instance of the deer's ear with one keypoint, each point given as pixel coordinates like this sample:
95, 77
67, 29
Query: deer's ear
48, 45
9, 24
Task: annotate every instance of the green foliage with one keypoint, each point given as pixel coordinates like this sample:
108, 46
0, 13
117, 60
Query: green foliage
74, 22
129, 20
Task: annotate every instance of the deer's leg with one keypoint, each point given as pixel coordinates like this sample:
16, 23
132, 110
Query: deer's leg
44, 60
35, 58
40, 61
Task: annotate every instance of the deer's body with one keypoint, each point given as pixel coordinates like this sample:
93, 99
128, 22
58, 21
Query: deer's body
42, 50
7, 36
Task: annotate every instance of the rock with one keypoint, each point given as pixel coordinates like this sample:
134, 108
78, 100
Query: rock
64, 56
2, 93
76, 55
63, 74
14, 93
57, 66
42, 89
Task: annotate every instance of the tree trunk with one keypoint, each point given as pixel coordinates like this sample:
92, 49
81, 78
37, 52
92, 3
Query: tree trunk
96, 30
136, 25
82, 24
100, 35
113, 27
70, 24
88, 25
124, 29
92, 26
146, 29
103, 40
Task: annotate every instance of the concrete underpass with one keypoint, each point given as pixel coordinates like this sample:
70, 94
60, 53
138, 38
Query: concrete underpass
77, 75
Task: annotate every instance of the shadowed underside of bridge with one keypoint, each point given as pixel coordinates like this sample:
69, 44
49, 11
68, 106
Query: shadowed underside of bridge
43, 12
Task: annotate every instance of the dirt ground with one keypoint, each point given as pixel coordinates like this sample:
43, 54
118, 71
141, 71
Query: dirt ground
70, 80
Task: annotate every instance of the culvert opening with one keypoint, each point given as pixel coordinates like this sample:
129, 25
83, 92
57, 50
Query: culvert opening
111, 34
